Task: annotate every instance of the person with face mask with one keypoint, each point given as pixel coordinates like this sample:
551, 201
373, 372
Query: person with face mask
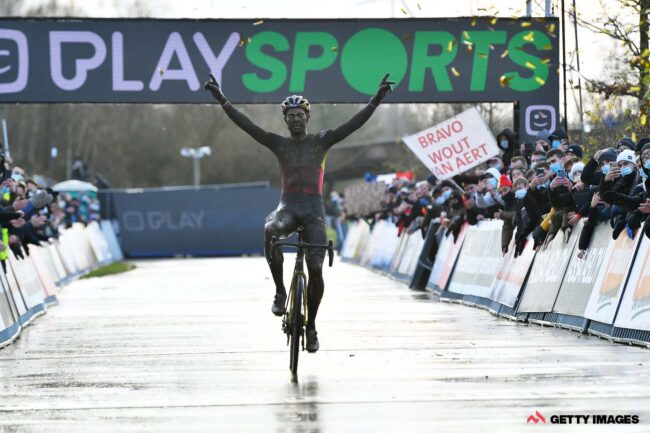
507, 200
506, 140
486, 194
527, 215
560, 196
630, 202
616, 188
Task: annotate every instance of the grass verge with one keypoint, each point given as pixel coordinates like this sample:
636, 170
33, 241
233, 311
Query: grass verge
113, 268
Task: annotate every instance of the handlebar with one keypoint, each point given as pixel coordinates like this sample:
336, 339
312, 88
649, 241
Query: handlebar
329, 246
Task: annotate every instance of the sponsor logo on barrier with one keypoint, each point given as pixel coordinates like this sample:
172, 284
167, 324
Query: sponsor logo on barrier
136, 221
536, 418
584, 419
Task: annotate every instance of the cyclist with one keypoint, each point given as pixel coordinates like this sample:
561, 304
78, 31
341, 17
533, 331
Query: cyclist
302, 162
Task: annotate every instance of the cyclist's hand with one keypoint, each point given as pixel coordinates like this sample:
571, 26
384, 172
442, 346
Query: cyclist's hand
385, 87
213, 87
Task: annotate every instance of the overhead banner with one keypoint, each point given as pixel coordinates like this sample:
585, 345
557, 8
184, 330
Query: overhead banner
547, 274
634, 312
612, 274
479, 260
455, 145
467, 59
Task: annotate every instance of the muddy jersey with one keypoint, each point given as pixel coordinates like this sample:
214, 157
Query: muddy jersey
302, 161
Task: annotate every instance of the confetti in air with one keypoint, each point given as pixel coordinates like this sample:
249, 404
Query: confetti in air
455, 72
526, 24
540, 80
530, 37
258, 22
504, 54
334, 49
529, 65
643, 120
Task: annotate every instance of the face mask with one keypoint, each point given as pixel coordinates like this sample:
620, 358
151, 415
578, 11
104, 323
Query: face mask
605, 169
504, 144
647, 164
446, 194
493, 182
440, 201
545, 185
626, 171
5, 189
520, 194
643, 175
555, 167
17, 177
533, 165
555, 144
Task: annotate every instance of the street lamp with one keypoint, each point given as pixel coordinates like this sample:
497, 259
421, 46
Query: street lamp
196, 154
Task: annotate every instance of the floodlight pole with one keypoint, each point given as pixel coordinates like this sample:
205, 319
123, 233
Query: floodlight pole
196, 163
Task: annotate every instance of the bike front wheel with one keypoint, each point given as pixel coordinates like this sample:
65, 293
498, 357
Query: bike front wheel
296, 320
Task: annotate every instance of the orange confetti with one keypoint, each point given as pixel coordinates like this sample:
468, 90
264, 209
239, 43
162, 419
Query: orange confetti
473, 22
504, 54
530, 37
466, 35
242, 42
526, 24
539, 80
494, 20
529, 65
546, 61
504, 80
551, 28
450, 47
455, 72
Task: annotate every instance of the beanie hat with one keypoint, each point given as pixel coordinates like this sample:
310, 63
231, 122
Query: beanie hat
627, 156
578, 166
576, 149
504, 180
607, 155
643, 144
432, 179
627, 142
494, 172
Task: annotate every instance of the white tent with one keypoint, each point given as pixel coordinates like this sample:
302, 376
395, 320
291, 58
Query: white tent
74, 186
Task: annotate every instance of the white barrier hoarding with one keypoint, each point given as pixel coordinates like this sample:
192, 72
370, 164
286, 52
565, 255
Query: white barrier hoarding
634, 312
455, 145
608, 288
479, 260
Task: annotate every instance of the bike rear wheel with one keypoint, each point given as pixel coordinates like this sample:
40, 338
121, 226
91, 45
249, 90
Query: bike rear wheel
296, 320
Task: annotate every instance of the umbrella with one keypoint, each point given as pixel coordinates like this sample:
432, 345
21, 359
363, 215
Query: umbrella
74, 186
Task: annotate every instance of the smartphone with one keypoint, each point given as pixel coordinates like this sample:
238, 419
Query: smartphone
539, 172
561, 173
613, 165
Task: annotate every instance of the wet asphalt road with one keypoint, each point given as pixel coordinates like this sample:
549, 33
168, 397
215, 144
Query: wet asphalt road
191, 346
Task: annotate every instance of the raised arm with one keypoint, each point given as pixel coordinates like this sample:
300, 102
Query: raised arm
340, 133
265, 138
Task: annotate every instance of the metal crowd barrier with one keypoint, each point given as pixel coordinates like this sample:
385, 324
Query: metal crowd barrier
605, 293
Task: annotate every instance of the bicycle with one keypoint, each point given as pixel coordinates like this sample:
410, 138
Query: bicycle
295, 317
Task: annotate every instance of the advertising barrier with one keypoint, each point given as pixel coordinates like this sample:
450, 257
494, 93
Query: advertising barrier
511, 275
632, 322
448, 251
547, 274
606, 292
479, 260
28, 285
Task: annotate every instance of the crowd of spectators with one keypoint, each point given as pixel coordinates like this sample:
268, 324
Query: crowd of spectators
539, 190
31, 212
